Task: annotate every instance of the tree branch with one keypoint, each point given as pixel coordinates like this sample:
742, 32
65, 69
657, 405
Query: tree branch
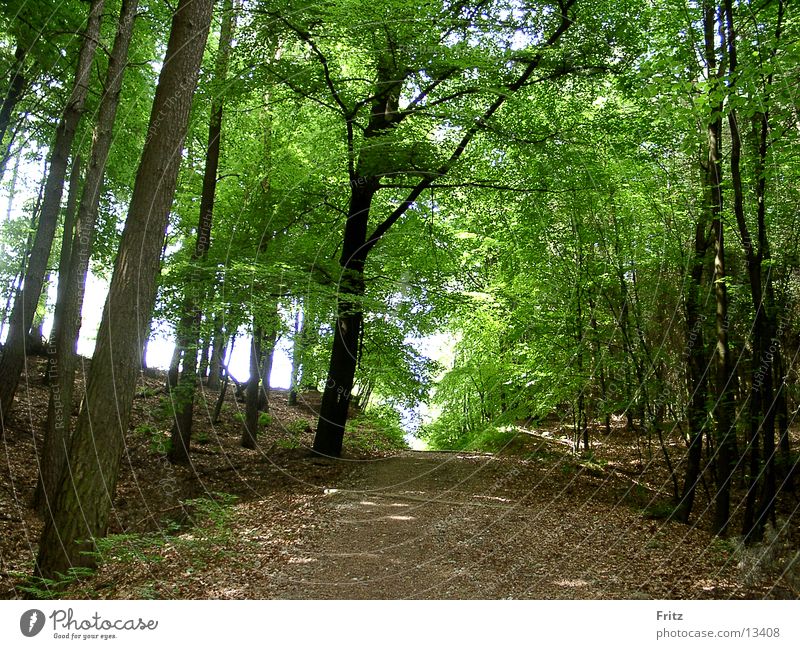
425, 183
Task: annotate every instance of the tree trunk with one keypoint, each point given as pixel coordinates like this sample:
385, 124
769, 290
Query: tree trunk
766, 344
347, 331
84, 496
725, 437
13, 361
217, 351
16, 86
696, 364
225, 381
297, 343
205, 352
23, 257
63, 260
269, 345
250, 425
67, 317
182, 429
35, 344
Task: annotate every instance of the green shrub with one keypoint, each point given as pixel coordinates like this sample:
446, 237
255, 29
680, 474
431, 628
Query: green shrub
297, 427
376, 429
44, 588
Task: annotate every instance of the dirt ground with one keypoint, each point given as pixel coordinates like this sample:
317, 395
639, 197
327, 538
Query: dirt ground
280, 523
460, 526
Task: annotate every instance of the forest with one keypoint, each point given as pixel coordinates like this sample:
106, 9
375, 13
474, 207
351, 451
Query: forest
412, 298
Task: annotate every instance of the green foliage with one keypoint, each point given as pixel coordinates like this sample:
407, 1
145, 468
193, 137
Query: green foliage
43, 588
206, 535
159, 441
377, 429
298, 426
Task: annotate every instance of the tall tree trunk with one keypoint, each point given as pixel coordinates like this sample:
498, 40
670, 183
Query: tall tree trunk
771, 348
696, 365
349, 321
13, 361
766, 345
35, 345
205, 352
268, 346
725, 437
67, 317
63, 260
225, 381
24, 256
85, 493
182, 428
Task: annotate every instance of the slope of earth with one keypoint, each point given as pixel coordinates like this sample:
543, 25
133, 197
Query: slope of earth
434, 525
278, 522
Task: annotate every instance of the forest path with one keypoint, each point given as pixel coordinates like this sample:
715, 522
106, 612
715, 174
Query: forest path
440, 525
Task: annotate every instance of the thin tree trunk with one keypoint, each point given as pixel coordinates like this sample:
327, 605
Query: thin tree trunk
725, 432
225, 382
15, 284
347, 331
696, 365
67, 317
84, 496
182, 429
268, 345
217, 351
13, 361
250, 425
63, 259
16, 87
297, 343
202, 366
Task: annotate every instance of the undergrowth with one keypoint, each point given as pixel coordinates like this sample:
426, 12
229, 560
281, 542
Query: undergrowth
377, 429
205, 535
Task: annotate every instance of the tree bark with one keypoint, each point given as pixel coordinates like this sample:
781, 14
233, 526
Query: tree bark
13, 361
85, 493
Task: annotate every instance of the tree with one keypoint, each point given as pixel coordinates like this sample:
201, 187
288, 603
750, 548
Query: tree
192, 317
75, 261
84, 496
372, 127
13, 361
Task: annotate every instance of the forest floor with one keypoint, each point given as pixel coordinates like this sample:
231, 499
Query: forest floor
534, 521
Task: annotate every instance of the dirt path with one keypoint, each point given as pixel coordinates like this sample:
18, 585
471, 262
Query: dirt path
433, 525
